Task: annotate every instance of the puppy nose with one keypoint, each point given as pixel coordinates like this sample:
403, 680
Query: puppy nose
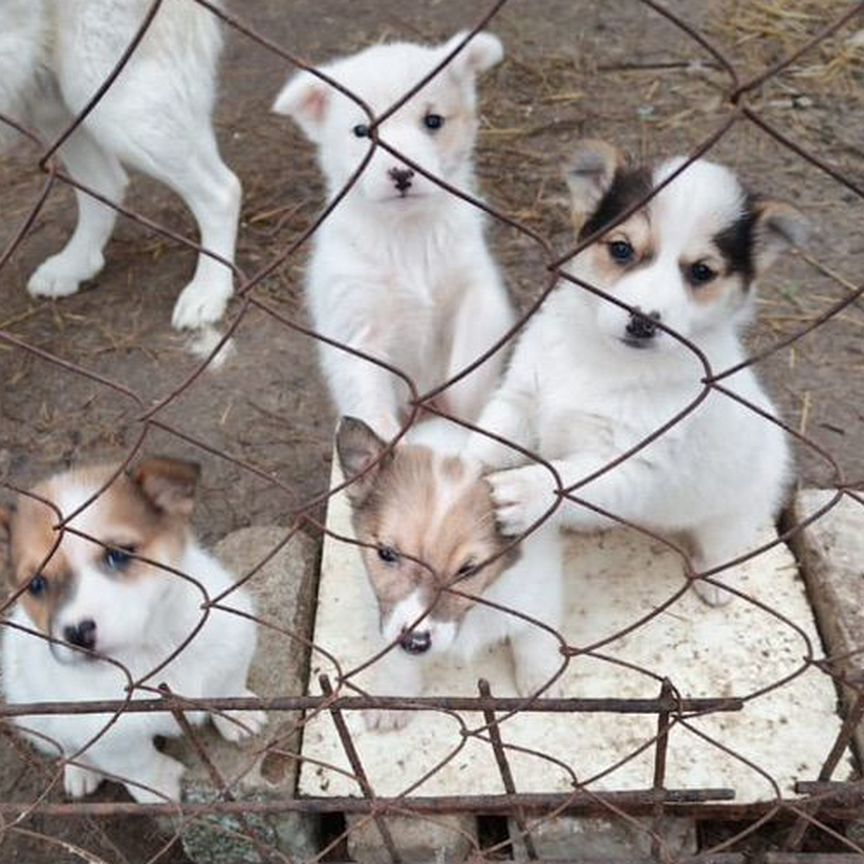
416, 641
642, 325
83, 634
401, 178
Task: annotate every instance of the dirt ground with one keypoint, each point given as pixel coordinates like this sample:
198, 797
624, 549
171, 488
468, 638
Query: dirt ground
615, 71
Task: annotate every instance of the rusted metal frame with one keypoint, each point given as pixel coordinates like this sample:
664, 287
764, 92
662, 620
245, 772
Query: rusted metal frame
661, 751
504, 770
359, 772
360, 703
640, 801
841, 743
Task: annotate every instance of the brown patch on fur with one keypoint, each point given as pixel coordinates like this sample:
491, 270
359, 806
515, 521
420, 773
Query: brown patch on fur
121, 516
439, 519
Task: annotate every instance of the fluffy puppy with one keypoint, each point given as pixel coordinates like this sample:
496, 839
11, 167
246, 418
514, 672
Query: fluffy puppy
427, 524
155, 118
400, 269
91, 612
592, 378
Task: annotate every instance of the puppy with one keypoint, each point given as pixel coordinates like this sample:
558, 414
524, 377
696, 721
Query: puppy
592, 378
155, 118
400, 270
106, 615
426, 523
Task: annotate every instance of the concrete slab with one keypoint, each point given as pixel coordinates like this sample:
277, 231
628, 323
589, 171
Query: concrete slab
612, 581
831, 551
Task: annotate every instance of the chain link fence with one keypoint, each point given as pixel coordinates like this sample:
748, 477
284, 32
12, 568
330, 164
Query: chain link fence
822, 804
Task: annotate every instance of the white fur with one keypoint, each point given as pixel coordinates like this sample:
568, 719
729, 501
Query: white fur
155, 118
139, 624
407, 280
580, 397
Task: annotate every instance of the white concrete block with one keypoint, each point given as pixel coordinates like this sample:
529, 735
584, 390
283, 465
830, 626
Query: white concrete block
612, 580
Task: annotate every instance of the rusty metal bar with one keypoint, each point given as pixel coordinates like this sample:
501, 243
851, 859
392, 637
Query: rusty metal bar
661, 750
841, 743
569, 802
359, 703
504, 769
359, 771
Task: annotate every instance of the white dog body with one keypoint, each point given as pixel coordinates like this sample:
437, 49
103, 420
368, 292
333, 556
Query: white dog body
155, 118
132, 613
400, 270
426, 521
588, 380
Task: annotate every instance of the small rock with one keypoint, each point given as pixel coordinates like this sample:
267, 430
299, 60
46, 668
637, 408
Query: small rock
439, 838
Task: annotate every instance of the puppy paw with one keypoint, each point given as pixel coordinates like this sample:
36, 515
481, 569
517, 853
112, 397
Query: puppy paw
62, 274
164, 781
521, 497
237, 725
386, 721
199, 304
712, 595
530, 680
79, 781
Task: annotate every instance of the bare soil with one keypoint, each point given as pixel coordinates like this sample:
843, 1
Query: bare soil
610, 70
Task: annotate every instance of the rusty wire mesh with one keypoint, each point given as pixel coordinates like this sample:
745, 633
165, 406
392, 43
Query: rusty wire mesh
822, 800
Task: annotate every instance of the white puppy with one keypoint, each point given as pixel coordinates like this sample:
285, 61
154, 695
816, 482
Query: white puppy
427, 525
592, 378
400, 269
155, 118
104, 602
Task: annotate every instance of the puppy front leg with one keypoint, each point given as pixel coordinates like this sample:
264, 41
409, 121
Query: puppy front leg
363, 389
150, 777
484, 316
534, 586
718, 541
396, 674
509, 416
524, 495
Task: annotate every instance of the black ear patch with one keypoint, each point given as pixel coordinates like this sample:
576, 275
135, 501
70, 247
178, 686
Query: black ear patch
629, 187
736, 242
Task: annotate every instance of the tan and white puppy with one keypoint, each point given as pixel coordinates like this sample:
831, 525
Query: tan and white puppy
108, 609
427, 524
155, 118
591, 378
400, 269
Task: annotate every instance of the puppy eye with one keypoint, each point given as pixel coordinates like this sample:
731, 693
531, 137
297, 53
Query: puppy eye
361, 130
433, 121
38, 585
118, 559
468, 569
388, 554
700, 273
621, 251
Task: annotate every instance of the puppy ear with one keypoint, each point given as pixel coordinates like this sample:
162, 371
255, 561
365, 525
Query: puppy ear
357, 447
778, 227
169, 484
589, 175
482, 53
306, 99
